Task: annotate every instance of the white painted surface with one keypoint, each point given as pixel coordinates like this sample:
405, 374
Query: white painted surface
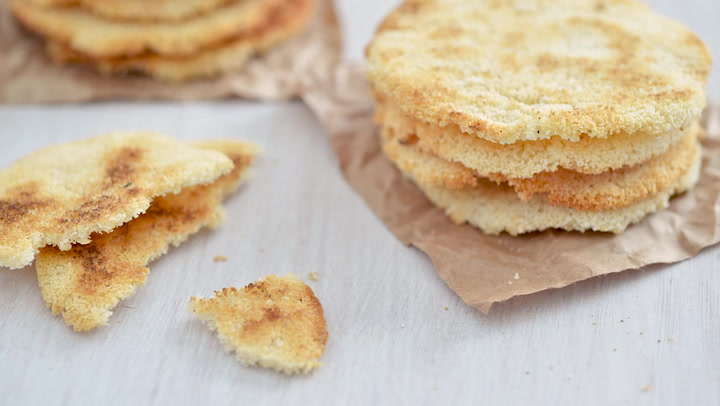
391, 339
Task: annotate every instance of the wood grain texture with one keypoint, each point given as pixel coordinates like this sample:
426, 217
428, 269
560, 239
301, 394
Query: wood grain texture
391, 339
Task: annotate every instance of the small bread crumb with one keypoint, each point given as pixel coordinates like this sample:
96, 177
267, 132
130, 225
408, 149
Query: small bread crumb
276, 322
671, 338
517, 276
509, 282
220, 258
446, 308
313, 276
646, 388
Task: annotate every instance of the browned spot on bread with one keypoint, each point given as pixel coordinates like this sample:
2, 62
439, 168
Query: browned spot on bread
123, 165
22, 200
91, 210
94, 272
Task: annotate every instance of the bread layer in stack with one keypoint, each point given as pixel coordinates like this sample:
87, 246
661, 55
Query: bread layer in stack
171, 40
521, 116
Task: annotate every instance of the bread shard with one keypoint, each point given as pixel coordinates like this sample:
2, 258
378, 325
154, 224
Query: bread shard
60, 195
85, 283
276, 322
517, 116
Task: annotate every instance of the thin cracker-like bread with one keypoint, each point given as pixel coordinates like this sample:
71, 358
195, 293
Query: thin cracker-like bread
61, 194
140, 10
527, 70
615, 188
524, 159
85, 283
497, 208
233, 55
276, 322
93, 36
604, 191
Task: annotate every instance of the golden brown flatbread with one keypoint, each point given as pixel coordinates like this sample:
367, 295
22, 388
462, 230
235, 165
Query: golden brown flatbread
99, 38
524, 159
496, 208
611, 189
62, 194
86, 282
226, 57
140, 10
518, 70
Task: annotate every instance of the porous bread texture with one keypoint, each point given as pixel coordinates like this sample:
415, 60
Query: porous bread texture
62, 194
140, 10
99, 38
614, 188
608, 190
276, 322
509, 71
496, 208
284, 23
524, 159
85, 283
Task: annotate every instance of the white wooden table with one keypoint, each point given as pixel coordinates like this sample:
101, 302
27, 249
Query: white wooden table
641, 337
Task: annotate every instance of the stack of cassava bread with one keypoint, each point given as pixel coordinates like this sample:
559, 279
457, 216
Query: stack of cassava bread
518, 116
171, 40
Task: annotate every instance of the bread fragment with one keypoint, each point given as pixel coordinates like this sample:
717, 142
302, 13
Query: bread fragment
229, 56
99, 38
86, 282
519, 70
61, 194
276, 322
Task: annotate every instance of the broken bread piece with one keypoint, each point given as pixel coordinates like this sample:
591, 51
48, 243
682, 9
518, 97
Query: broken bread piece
276, 322
62, 194
86, 282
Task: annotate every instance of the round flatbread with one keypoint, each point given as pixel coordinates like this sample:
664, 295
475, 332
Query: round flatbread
227, 57
529, 70
497, 208
524, 159
608, 190
156, 10
84, 32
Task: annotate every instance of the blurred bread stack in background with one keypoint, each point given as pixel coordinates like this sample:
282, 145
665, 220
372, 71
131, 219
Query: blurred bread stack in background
171, 40
518, 116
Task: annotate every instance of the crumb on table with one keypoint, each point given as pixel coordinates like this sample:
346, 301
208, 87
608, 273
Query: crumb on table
313, 276
220, 258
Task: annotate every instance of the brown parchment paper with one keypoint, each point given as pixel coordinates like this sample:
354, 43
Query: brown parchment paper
26, 75
482, 268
